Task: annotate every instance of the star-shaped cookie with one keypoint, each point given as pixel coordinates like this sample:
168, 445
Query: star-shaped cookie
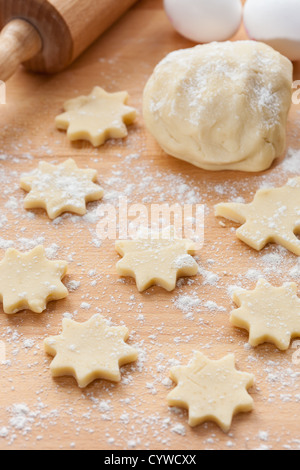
211, 390
60, 188
89, 351
157, 260
30, 280
270, 314
272, 217
97, 117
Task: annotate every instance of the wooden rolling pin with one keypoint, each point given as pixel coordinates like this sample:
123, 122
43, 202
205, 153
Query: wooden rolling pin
48, 35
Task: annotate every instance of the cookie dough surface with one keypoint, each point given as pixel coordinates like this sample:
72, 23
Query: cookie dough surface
30, 280
60, 188
272, 217
156, 260
97, 117
270, 314
89, 351
211, 390
221, 106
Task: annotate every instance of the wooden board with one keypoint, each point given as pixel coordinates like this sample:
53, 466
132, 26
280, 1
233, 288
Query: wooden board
134, 413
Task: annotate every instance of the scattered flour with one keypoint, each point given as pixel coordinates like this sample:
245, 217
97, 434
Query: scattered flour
136, 424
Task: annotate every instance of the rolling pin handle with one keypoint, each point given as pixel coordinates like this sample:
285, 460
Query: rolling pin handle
19, 42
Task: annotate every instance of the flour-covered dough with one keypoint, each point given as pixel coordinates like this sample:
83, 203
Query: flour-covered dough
30, 280
89, 351
158, 260
272, 217
270, 314
211, 390
221, 106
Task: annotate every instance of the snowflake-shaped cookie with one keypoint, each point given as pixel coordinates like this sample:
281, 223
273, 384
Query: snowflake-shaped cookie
270, 314
97, 117
272, 217
89, 351
157, 260
211, 390
60, 188
30, 280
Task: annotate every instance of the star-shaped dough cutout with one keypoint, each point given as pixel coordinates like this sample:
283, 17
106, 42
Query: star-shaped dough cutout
270, 314
272, 217
89, 351
60, 188
97, 117
211, 390
29, 280
157, 260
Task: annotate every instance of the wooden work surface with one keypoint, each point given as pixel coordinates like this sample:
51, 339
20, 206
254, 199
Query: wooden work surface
133, 414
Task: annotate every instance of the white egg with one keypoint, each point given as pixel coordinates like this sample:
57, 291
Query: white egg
205, 20
275, 22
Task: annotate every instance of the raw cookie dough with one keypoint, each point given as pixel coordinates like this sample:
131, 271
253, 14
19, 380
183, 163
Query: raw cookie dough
89, 351
157, 260
30, 280
60, 188
221, 106
97, 117
272, 217
270, 314
211, 390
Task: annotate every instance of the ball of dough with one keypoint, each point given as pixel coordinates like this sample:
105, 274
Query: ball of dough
205, 20
275, 23
221, 106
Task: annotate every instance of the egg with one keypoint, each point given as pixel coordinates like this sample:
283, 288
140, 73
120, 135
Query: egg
275, 22
205, 20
